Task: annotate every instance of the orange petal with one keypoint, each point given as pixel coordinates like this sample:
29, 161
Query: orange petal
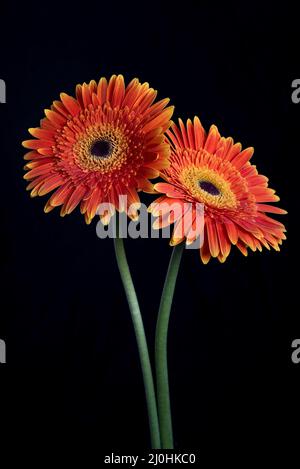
174, 136
55, 118
162, 120
86, 95
111, 87
233, 150
205, 252
190, 133
148, 173
59, 196
169, 190
270, 209
36, 144
39, 170
45, 151
212, 237
145, 185
212, 139
32, 155
131, 93
239, 160
241, 246
60, 108
52, 182
74, 199
224, 243
231, 231
199, 133
46, 135
183, 133
102, 90
70, 104
119, 91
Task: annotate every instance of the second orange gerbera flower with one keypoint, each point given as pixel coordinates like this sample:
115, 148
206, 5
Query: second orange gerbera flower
213, 171
107, 142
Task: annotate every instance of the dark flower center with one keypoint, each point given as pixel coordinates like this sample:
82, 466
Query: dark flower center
102, 149
209, 187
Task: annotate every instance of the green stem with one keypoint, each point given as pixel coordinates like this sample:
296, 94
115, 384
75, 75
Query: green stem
140, 338
161, 358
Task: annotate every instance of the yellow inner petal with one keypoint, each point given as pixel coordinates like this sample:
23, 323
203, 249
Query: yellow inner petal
192, 176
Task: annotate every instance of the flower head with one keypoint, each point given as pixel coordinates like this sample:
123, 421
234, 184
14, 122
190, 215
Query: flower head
106, 143
211, 170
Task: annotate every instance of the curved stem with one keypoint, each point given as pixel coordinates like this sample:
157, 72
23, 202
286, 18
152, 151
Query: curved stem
161, 359
140, 338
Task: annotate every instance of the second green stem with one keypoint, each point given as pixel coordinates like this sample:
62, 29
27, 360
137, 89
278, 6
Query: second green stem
161, 357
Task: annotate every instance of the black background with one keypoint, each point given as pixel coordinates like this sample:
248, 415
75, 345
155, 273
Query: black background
72, 371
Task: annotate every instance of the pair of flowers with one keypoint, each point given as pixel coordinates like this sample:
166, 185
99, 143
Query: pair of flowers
112, 140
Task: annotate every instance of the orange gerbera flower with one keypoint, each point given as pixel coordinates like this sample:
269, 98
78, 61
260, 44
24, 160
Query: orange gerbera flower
107, 142
213, 171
